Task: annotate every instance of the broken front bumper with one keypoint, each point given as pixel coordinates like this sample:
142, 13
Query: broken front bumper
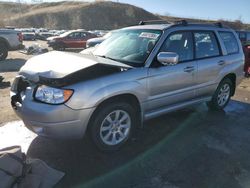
55, 121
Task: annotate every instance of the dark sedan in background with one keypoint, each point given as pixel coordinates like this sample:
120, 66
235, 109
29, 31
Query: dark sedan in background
29, 36
94, 41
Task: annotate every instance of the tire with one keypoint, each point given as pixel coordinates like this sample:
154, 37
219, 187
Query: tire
58, 48
3, 52
107, 133
222, 95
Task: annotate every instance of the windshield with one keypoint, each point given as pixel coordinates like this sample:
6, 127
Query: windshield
128, 46
65, 34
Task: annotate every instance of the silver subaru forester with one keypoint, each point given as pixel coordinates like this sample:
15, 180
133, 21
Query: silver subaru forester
138, 73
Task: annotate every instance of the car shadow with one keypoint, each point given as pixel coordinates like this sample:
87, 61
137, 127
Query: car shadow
11, 65
83, 163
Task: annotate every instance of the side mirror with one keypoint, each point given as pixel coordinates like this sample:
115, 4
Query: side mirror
168, 58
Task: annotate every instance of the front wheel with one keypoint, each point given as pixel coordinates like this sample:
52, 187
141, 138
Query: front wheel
222, 95
112, 126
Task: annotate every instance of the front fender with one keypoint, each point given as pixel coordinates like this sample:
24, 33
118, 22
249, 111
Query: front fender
91, 98
134, 88
91, 93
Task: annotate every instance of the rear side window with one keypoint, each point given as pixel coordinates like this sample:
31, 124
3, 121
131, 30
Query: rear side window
242, 35
180, 43
230, 42
248, 36
206, 44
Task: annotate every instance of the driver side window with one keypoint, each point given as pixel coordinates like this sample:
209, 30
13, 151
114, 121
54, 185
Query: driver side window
180, 43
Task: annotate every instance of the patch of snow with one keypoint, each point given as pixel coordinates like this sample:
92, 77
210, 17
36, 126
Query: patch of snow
15, 133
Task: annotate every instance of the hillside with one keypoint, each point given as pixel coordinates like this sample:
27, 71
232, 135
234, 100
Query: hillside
74, 15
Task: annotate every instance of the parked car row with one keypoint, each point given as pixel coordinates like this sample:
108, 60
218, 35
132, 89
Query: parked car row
43, 33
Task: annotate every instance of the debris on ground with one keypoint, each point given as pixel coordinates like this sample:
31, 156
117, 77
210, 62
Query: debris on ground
17, 171
34, 49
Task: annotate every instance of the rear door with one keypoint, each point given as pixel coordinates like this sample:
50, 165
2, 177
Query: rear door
71, 40
172, 84
209, 61
83, 39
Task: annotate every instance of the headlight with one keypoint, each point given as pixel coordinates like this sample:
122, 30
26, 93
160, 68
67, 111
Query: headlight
52, 95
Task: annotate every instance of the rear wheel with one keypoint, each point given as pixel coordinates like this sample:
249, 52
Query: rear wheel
112, 126
222, 95
3, 51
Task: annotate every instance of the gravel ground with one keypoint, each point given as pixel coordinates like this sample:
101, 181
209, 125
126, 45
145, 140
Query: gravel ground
189, 148
8, 70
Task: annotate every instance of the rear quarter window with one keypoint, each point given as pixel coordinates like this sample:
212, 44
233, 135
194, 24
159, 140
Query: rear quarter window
230, 42
206, 44
248, 36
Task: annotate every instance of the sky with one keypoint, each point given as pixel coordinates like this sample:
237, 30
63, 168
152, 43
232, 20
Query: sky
203, 9
207, 9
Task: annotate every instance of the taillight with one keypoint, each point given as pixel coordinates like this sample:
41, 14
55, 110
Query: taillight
248, 47
20, 37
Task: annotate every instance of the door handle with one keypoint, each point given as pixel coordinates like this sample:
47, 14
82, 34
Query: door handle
221, 63
189, 69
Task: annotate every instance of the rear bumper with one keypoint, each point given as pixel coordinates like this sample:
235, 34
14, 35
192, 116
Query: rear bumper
54, 121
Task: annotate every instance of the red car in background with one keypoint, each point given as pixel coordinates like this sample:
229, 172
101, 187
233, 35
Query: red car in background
244, 37
246, 49
70, 39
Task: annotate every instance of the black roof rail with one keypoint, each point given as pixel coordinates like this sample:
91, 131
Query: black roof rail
219, 24
181, 22
185, 23
153, 22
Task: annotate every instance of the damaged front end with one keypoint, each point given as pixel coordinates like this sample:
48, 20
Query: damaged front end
89, 73
17, 91
58, 76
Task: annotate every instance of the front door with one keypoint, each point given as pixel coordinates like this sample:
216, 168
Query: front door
172, 84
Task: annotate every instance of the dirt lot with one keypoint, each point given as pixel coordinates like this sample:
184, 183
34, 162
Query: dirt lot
8, 70
188, 148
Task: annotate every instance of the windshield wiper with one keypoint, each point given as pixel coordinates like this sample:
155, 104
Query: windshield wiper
119, 60
106, 57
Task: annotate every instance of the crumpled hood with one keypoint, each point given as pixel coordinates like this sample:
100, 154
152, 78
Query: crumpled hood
60, 64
